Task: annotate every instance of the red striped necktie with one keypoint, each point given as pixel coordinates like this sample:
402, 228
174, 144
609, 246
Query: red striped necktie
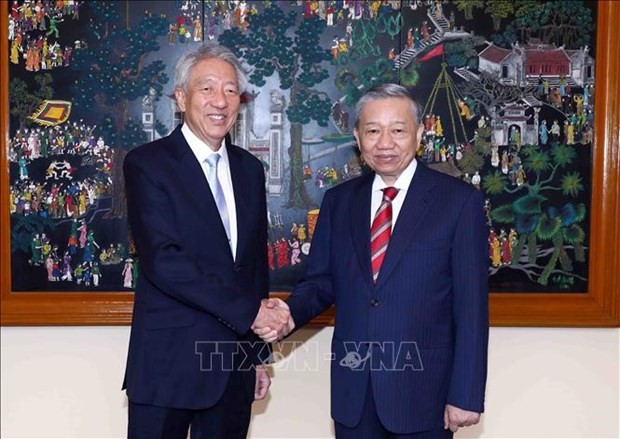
381, 230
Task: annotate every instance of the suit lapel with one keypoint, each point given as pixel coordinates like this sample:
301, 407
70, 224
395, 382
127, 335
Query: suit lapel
200, 194
411, 215
360, 225
191, 173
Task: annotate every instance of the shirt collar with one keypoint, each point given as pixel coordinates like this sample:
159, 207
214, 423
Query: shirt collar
200, 149
402, 182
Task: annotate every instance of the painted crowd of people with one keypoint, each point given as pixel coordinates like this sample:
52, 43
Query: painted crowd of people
34, 34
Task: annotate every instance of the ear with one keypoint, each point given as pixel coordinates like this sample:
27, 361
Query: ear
357, 137
179, 96
418, 136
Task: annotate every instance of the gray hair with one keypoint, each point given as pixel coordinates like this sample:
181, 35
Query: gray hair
385, 91
188, 61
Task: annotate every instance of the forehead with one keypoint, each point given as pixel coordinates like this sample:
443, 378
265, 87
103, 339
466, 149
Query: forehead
387, 110
213, 69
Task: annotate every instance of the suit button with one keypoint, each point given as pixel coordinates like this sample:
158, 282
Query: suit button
375, 302
237, 268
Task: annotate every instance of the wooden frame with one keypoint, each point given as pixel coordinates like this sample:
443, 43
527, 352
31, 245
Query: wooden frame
600, 306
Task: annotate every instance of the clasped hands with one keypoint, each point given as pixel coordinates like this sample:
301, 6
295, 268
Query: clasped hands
273, 321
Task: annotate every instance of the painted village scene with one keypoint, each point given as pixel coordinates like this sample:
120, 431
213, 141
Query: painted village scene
507, 90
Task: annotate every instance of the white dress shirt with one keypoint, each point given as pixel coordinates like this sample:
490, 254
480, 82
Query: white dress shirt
201, 150
402, 184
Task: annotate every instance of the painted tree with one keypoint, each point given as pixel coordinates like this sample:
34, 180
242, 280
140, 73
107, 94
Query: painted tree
499, 10
370, 37
276, 43
533, 215
490, 93
468, 7
24, 100
24, 227
563, 23
113, 73
353, 82
561, 226
463, 53
524, 7
471, 162
363, 68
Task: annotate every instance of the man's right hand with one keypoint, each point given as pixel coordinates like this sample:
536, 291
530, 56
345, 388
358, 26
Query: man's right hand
273, 321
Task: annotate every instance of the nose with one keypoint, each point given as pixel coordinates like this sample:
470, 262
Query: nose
385, 140
219, 98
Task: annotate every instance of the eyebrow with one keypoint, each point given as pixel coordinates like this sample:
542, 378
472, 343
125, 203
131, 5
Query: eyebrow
393, 122
208, 79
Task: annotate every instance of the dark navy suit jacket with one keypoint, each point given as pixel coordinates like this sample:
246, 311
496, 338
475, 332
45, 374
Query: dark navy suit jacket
422, 331
193, 302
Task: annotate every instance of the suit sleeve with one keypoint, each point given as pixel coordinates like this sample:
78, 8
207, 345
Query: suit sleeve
168, 266
262, 265
314, 293
470, 307
262, 351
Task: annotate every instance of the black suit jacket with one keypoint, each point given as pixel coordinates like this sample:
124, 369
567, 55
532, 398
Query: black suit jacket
193, 302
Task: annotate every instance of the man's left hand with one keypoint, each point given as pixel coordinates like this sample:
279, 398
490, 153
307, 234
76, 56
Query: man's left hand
454, 417
263, 381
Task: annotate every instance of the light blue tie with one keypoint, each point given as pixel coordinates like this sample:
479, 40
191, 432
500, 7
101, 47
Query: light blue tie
218, 192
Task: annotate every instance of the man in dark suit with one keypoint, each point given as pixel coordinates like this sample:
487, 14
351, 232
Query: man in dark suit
197, 212
402, 254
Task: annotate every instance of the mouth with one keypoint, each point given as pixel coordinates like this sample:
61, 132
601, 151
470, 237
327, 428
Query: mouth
217, 117
385, 158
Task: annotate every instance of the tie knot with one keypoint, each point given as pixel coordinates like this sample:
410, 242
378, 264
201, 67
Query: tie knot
213, 159
389, 193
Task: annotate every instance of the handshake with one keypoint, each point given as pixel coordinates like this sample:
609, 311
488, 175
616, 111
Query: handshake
273, 321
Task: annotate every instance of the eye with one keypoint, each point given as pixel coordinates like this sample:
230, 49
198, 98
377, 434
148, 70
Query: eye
232, 91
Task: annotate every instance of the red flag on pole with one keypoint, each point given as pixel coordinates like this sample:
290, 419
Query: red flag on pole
434, 52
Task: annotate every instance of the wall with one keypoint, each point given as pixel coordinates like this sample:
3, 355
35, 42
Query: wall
543, 383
